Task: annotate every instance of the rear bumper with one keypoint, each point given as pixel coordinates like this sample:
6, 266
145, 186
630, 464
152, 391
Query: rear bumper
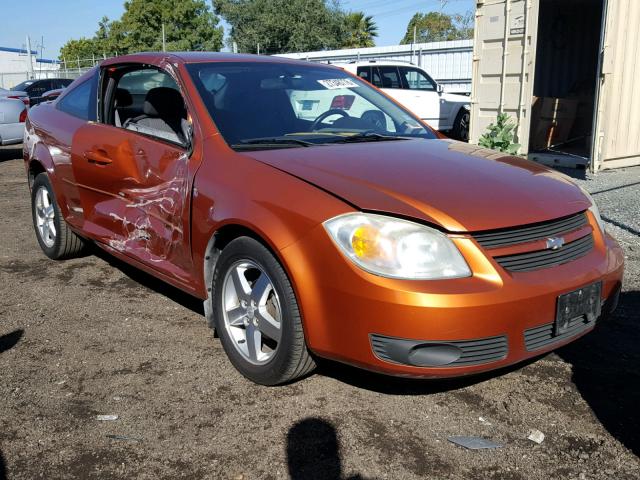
350, 315
11, 133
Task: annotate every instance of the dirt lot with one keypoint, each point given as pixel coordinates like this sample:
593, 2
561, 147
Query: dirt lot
92, 336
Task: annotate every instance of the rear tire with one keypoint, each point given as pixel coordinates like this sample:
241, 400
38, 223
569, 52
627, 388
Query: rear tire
257, 315
56, 239
461, 125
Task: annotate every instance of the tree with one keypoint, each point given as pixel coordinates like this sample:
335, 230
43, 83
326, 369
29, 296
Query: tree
281, 26
464, 24
438, 27
83, 49
360, 30
189, 25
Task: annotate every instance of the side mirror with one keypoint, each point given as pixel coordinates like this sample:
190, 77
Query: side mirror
187, 132
440, 89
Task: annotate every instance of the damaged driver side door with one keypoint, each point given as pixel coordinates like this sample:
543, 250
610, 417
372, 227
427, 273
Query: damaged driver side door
133, 172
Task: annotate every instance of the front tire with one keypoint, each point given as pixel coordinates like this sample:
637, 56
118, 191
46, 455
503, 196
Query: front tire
257, 315
461, 125
56, 239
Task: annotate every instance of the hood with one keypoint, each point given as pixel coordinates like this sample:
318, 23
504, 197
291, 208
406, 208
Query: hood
453, 97
452, 184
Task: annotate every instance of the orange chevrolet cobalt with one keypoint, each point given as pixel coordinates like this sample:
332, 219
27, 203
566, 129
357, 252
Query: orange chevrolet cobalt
315, 217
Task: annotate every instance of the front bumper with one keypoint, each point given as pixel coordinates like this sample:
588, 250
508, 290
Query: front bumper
349, 314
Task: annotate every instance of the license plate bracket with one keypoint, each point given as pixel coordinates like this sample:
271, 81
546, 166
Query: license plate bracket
584, 303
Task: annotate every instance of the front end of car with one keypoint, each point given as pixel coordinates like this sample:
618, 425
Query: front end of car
404, 298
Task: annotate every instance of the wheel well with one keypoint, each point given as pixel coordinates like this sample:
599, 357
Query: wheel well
220, 239
461, 110
35, 169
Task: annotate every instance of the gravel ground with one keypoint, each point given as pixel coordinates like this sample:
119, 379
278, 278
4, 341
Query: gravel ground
92, 336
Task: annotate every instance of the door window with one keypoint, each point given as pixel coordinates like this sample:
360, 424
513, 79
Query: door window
365, 73
148, 101
61, 83
415, 79
375, 77
389, 77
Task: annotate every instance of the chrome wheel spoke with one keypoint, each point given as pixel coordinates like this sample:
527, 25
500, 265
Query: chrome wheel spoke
52, 229
253, 342
268, 325
261, 289
240, 283
236, 316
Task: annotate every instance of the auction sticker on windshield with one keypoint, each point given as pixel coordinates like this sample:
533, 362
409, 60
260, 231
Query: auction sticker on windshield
336, 83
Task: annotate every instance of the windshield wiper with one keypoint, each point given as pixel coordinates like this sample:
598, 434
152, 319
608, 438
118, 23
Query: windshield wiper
266, 142
369, 137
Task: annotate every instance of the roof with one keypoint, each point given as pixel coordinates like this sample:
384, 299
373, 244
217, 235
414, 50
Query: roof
22, 51
381, 61
198, 57
17, 50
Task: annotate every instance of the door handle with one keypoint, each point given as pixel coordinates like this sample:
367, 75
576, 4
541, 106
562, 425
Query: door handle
99, 157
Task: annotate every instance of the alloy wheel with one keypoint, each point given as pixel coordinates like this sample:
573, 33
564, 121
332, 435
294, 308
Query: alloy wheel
45, 217
252, 312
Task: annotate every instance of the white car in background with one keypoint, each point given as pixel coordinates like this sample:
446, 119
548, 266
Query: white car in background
411, 86
13, 113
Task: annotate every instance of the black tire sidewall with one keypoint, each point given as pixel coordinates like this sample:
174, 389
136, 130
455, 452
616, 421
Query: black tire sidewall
42, 181
246, 248
458, 125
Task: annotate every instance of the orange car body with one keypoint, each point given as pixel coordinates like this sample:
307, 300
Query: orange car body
163, 210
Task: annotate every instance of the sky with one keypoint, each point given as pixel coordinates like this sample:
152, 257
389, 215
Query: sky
62, 20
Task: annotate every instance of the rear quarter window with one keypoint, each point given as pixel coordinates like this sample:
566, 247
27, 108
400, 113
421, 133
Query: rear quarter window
78, 101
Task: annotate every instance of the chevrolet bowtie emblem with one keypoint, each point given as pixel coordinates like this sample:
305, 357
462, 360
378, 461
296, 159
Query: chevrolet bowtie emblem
555, 243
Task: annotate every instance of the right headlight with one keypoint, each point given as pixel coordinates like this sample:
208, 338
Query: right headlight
396, 248
594, 210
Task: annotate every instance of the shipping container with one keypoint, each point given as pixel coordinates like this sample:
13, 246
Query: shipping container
565, 71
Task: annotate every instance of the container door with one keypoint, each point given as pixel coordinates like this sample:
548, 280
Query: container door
617, 139
504, 65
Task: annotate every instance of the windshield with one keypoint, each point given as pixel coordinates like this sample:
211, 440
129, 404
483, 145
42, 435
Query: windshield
283, 105
23, 85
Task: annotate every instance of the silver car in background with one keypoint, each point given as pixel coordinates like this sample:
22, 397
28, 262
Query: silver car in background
13, 113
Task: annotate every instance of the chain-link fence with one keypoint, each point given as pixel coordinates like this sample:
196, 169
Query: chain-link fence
63, 69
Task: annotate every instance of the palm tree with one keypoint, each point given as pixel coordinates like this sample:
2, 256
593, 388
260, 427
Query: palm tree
360, 30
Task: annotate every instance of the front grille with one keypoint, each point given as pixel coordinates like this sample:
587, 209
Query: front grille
474, 352
540, 337
530, 233
525, 262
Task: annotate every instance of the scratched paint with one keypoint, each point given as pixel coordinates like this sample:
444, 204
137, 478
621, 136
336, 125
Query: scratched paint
150, 218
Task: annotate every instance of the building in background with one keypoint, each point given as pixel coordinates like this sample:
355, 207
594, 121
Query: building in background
14, 66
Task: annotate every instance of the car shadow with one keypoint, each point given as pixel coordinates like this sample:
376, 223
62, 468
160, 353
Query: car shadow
10, 152
313, 451
606, 371
380, 383
10, 340
7, 342
577, 173
3, 467
149, 281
